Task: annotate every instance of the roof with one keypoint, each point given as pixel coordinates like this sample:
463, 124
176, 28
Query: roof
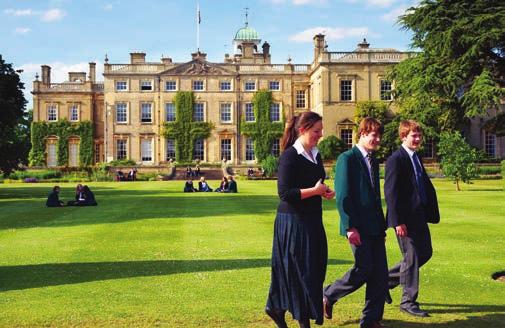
247, 34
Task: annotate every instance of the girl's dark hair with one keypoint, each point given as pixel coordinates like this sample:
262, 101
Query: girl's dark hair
306, 120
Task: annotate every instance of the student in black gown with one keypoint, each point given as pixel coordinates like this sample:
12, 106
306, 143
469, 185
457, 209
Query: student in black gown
79, 196
89, 197
53, 199
299, 252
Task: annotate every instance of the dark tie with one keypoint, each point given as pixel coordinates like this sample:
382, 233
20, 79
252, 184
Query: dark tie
419, 178
372, 177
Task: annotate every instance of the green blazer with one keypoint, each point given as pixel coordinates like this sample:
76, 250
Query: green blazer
358, 203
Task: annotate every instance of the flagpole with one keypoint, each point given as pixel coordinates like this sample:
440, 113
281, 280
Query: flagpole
198, 26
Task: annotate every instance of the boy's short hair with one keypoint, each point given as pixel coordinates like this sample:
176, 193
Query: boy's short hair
370, 124
408, 125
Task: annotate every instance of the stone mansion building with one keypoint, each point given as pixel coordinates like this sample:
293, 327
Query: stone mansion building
129, 108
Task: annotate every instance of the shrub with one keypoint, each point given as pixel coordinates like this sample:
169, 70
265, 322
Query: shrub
37, 174
122, 162
270, 165
330, 147
503, 169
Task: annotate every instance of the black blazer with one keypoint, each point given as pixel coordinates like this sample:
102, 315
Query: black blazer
404, 205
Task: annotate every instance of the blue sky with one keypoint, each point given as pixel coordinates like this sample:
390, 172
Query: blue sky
67, 34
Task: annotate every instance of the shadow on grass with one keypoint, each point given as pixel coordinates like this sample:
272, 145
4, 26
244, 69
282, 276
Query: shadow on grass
20, 277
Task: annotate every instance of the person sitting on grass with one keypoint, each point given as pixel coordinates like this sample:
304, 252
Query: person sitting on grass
223, 186
53, 199
79, 196
89, 197
203, 186
188, 186
232, 185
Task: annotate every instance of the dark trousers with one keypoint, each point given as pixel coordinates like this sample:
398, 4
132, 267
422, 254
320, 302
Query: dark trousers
416, 249
370, 267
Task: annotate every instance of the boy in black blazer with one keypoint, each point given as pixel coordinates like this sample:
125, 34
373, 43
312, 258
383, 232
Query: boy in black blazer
411, 204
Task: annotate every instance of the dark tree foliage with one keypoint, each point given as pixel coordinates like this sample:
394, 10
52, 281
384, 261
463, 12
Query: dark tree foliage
459, 70
14, 131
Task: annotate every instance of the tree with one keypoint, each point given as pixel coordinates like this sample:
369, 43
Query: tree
331, 146
457, 73
13, 119
457, 158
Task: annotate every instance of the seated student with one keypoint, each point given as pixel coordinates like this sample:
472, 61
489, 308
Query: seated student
232, 185
223, 186
53, 199
197, 170
203, 186
79, 196
120, 175
250, 172
132, 175
189, 172
89, 197
188, 186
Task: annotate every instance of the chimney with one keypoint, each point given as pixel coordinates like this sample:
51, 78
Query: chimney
266, 49
166, 60
46, 74
363, 45
92, 72
137, 57
318, 45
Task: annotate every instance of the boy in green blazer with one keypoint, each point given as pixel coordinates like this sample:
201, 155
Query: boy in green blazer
362, 221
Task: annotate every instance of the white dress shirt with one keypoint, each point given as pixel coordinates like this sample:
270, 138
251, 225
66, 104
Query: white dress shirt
301, 150
365, 154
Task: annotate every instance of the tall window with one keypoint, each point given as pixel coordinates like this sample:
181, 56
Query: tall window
490, 144
276, 147
52, 113
198, 112
226, 149
249, 112
346, 136
146, 85
121, 149
198, 149
74, 113
198, 85
51, 153
97, 153
225, 112
225, 85
250, 86
274, 85
249, 149
146, 112
428, 149
170, 86
121, 113
170, 149
121, 86
300, 98
345, 90
73, 153
275, 112
386, 90
170, 112
146, 149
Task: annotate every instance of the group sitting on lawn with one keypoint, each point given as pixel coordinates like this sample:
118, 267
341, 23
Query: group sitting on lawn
83, 197
228, 185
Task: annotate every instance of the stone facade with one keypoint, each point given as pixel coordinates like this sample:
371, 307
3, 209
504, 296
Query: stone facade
129, 108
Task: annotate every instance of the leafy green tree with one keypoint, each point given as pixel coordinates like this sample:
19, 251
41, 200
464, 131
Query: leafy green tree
462, 59
457, 158
14, 138
330, 147
270, 164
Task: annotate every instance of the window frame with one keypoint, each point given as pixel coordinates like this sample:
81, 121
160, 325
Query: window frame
248, 82
221, 82
52, 107
151, 145
118, 149
127, 116
116, 85
166, 111
141, 86
272, 105
194, 84
278, 85
194, 111
343, 91
151, 121
175, 86
229, 106
249, 149
252, 112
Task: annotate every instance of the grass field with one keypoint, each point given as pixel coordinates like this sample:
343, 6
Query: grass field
150, 255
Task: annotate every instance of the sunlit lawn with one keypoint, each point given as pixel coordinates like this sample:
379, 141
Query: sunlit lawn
150, 255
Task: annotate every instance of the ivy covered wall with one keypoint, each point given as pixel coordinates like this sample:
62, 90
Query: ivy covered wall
262, 131
63, 130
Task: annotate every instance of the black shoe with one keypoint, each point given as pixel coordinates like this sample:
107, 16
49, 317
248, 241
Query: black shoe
304, 323
415, 311
389, 300
327, 308
277, 316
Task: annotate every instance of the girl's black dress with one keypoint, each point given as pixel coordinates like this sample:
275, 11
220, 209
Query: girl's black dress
300, 250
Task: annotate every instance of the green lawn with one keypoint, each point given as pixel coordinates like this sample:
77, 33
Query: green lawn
150, 255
